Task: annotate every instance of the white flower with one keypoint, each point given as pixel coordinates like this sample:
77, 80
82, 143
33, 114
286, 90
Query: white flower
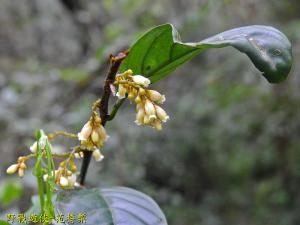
121, 92
95, 136
97, 155
150, 110
155, 96
33, 147
102, 133
140, 116
12, 169
141, 80
85, 132
71, 180
162, 115
156, 124
78, 155
63, 181
21, 172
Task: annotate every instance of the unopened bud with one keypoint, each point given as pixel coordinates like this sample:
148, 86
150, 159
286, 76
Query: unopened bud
95, 136
23, 166
138, 99
146, 119
21, 172
33, 147
141, 80
73, 168
69, 173
140, 116
102, 133
121, 91
97, 155
131, 95
12, 169
155, 96
71, 180
77, 155
149, 108
85, 132
156, 124
142, 91
162, 115
63, 181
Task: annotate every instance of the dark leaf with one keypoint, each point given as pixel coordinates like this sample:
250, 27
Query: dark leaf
111, 206
160, 51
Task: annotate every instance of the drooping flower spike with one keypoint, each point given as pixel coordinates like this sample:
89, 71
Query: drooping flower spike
135, 88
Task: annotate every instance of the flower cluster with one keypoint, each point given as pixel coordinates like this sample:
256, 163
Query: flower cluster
20, 167
93, 135
96, 154
63, 177
135, 88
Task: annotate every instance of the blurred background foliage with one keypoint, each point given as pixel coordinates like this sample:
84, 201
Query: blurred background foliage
230, 153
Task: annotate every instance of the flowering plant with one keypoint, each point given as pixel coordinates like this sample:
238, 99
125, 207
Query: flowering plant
154, 56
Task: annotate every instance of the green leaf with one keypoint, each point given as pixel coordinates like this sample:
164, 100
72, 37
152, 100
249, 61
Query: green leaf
111, 206
10, 191
2, 222
160, 51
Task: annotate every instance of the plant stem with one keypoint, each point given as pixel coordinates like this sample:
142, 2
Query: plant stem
115, 109
61, 133
41, 192
115, 62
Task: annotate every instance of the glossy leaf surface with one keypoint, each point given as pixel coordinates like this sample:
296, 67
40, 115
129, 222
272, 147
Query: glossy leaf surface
111, 206
160, 51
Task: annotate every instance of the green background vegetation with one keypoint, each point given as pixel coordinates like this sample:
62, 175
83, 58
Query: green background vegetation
230, 153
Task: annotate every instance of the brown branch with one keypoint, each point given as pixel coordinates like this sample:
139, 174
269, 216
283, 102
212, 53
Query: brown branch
115, 62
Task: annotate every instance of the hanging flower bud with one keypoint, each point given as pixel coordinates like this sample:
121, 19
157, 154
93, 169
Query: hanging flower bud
140, 116
150, 110
161, 114
78, 155
21, 172
156, 124
71, 180
12, 169
142, 91
138, 99
33, 147
63, 181
146, 120
95, 136
85, 132
23, 166
155, 96
121, 92
141, 80
97, 155
102, 133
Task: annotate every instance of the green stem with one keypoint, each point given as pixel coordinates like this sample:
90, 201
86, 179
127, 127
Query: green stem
41, 192
115, 109
61, 133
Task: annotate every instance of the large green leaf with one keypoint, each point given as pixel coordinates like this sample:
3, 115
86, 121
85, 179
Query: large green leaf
2, 222
111, 206
160, 51
10, 191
